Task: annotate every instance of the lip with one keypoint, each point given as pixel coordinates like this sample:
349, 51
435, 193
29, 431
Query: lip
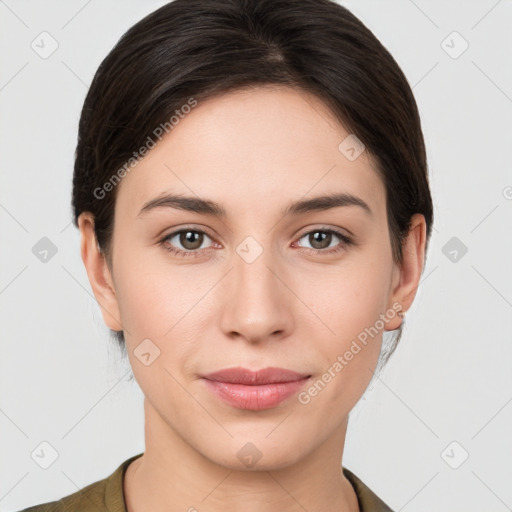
262, 389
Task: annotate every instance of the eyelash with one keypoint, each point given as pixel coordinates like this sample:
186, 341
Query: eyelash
346, 241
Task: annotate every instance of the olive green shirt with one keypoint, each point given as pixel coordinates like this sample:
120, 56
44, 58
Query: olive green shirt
107, 495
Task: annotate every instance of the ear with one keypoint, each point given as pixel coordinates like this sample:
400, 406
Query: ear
98, 272
407, 276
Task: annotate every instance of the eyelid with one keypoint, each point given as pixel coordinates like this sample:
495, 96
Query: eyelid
181, 229
336, 230
199, 229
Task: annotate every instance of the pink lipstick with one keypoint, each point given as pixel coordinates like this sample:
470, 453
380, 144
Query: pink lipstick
255, 391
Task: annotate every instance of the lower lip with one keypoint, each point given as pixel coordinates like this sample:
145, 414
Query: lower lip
255, 398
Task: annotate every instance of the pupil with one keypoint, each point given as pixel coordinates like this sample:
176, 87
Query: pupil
190, 237
322, 236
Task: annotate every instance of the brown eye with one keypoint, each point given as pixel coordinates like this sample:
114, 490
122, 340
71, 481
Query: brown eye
185, 242
191, 240
320, 239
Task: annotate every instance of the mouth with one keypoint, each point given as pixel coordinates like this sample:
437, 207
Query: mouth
263, 389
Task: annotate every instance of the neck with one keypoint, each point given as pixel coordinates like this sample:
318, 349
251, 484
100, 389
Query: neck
172, 472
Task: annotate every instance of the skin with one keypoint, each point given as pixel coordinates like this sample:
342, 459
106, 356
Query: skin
254, 152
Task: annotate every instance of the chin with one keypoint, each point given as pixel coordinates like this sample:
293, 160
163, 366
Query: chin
257, 456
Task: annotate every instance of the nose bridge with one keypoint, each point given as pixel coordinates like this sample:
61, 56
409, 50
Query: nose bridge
252, 263
255, 306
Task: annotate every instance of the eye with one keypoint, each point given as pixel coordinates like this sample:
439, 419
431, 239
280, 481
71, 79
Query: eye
190, 239
321, 240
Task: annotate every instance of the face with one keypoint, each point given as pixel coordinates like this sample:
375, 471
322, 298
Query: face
266, 284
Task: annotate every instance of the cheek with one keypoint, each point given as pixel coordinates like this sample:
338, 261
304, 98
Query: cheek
169, 304
157, 310
346, 325
346, 299
348, 341
151, 294
155, 295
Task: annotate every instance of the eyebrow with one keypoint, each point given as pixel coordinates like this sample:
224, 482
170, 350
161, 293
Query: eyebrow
207, 207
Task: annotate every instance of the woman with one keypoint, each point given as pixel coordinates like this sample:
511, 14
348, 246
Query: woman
252, 195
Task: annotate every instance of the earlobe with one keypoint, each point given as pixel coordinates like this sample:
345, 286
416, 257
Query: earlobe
98, 272
410, 271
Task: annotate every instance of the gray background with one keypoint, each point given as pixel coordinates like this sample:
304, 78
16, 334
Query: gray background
447, 391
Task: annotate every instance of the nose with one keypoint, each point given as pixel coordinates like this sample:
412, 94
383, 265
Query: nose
257, 303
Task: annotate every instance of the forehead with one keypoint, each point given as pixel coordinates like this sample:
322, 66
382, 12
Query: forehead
254, 147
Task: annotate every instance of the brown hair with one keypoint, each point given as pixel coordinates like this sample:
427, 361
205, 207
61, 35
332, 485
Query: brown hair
203, 48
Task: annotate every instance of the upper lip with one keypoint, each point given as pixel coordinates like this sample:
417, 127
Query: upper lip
241, 375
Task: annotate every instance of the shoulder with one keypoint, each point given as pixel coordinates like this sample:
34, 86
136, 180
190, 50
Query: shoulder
368, 500
90, 498
102, 496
